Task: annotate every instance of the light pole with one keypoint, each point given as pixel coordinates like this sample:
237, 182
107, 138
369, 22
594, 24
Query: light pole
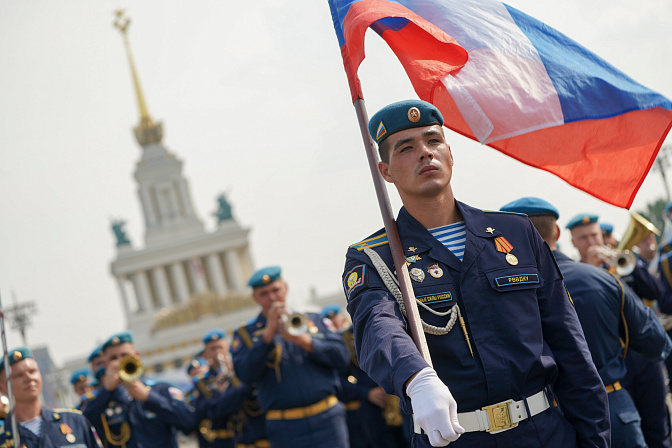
661, 163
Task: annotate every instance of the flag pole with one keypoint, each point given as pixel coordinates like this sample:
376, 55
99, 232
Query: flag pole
8, 376
412, 314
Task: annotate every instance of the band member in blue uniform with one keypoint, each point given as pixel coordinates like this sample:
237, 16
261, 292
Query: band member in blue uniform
296, 374
39, 426
645, 379
82, 381
137, 413
374, 417
609, 312
520, 348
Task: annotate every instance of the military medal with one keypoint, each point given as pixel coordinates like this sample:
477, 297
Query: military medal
66, 430
504, 246
435, 271
417, 275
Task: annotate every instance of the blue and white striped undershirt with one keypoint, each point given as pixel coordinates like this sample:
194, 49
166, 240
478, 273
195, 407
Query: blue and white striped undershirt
453, 236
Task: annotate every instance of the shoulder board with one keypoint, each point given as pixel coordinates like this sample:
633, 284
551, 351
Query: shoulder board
65, 410
244, 335
371, 242
504, 213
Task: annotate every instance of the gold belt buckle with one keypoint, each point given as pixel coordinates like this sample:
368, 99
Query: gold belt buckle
499, 416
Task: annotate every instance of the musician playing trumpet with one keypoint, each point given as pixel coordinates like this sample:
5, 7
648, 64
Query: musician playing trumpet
294, 361
645, 380
133, 411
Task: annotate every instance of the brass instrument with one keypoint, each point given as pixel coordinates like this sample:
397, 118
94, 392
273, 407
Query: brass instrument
295, 323
638, 229
620, 262
392, 412
130, 368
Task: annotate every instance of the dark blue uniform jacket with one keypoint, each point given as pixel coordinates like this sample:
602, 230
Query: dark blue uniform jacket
152, 423
54, 435
597, 297
303, 378
523, 328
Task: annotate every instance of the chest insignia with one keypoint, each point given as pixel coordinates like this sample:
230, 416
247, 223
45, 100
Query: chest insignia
412, 259
417, 275
503, 245
412, 249
66, 430
435, 271
490, 230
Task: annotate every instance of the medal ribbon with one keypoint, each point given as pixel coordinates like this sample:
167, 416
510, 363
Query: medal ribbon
65, 429
503, 245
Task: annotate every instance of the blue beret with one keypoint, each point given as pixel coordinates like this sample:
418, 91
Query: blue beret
264, 276
95, 353
403, 115
118, 338
331, 310
197, 362
100, 372
531, 207
16, 355
581, 219
214, 335
668, 207
607, 228
82, 374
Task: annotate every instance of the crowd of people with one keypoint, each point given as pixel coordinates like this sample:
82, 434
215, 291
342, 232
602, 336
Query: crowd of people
549, 352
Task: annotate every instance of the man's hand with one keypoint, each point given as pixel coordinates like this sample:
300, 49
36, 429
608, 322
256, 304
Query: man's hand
377, 396
305, 340
111, 378
597, 256
275, 312
138, 390
434, 407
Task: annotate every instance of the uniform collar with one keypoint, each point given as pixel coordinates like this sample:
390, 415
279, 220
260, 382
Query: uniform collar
560, 256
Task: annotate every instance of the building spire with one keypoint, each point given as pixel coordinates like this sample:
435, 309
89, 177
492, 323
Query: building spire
146, 132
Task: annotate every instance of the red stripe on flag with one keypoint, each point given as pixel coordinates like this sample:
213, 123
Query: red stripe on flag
607, 158
440, 53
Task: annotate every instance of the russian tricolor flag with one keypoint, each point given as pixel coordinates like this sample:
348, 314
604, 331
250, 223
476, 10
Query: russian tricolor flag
511, 82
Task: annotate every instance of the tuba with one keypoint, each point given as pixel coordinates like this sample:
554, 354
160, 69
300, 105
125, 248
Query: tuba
638, 229
295, 323
130, 369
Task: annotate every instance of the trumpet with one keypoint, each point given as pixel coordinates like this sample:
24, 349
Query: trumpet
295, 323
621, 261
130, 369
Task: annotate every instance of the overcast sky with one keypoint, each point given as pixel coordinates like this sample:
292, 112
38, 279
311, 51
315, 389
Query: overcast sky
253, 98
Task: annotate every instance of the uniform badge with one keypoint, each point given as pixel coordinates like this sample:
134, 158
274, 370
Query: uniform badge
490, 230
435, 271
412, 249
503, 245
412, 259
417, 275
381, 131
66, 430
354, 279
413, 114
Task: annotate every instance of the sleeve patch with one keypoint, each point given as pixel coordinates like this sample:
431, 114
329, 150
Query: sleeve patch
176, 393
354, 279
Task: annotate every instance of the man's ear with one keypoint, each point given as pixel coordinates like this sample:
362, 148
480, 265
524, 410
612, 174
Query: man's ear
384, 170
557, 233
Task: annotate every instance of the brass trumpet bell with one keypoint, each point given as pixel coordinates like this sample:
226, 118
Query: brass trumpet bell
295, 323
130, 369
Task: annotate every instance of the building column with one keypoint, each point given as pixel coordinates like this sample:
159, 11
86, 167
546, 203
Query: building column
233, 270
186, 197
147, 207
197, 275
180, 282
124, 298
162, 287
142, 291
216, 274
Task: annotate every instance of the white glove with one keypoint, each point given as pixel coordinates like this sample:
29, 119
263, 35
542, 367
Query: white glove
434, 408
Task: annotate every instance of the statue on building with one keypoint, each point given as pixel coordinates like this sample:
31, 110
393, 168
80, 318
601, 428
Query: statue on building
120, 233
223, 213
